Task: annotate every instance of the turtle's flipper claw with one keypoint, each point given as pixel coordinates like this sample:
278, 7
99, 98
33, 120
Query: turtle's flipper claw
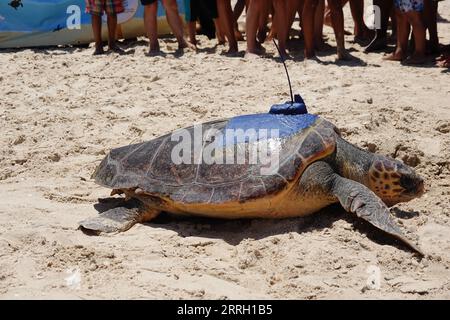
378, 215
358, 199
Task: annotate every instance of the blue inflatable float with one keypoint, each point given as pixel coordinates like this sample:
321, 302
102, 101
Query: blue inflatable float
32, 23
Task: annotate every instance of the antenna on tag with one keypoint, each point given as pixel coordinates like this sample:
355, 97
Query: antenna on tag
285, 68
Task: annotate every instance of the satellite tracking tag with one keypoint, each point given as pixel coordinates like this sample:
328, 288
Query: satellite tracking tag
289, 108
296, 105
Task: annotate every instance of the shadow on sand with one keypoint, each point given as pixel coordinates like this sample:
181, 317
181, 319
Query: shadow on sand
235, 231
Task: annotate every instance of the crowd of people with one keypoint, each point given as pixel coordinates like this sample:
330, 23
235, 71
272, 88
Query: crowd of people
413, 24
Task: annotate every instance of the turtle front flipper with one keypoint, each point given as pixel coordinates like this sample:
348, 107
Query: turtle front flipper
119, 219
357, 198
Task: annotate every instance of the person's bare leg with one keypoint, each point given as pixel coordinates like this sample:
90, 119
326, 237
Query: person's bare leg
318, 25
226, 23
301, 4
97, 30
175, 23
444, 61
151, 26
337, 18
415, 20
282, 25
112, 28
361, 31
265, 10
219, 32
237, 11
251, 25
291, 10
327, 17
402, 38
192, 32
308, 16
430, 17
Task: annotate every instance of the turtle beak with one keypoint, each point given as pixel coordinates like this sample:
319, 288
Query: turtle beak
420, 187
414, 187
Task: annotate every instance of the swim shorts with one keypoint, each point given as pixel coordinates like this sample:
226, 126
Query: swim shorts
409, 5
111, 7
147, 2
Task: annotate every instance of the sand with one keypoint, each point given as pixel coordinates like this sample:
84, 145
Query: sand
62, 110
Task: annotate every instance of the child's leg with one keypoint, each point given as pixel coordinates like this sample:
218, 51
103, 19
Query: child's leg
415, 19
112, 8
219, 32
361, 31
151, 25
194, 8
403, 31
254, 8
266, 8
97, 29
318, 25
192, 26
308, 16
226, 23
174, 20
327, 15
337, 17
112, 26
282, 25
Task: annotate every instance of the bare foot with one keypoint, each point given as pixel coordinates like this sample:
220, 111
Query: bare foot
443, 57
98, 51
415, 59
310, 55
186, 45
238, 35
154, 49
445, 63
343, 55
116, 49
251, 55
232, 51
220, 39
154, 52
262, 34
396, 56
259, 49
320, 45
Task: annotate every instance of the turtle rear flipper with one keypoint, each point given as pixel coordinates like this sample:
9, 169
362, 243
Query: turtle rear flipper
357, 198
118, 219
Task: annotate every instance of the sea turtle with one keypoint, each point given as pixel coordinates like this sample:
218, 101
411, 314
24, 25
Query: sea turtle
316, 168
16, 3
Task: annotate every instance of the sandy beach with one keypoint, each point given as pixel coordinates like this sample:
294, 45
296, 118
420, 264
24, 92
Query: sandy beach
62, 110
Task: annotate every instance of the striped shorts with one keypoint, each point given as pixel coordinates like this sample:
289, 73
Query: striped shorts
111, 7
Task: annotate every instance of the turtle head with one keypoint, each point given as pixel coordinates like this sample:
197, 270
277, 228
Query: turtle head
393, 181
